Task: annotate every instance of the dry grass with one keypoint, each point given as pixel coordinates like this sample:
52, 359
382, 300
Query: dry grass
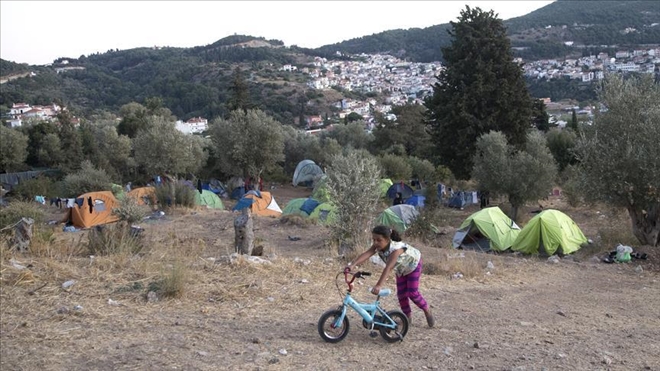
296, 220
469, 263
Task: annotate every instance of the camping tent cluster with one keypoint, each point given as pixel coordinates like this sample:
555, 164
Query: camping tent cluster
549, 232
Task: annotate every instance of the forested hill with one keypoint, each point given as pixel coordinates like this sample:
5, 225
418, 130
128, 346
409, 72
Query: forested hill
191, 81
586, 23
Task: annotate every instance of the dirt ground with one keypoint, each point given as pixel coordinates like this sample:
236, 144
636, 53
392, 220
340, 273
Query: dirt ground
524, 314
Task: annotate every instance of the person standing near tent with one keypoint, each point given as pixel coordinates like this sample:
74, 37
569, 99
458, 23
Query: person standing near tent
406, 261
398, 200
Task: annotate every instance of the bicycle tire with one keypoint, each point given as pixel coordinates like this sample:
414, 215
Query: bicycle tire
328, 318
394, 335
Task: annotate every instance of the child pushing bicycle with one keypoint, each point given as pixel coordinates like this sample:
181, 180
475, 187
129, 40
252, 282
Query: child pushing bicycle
406, 261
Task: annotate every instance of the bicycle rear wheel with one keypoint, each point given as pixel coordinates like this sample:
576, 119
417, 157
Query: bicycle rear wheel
396, 334
327, 331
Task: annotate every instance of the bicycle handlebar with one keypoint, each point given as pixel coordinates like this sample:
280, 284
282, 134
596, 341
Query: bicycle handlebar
355, 275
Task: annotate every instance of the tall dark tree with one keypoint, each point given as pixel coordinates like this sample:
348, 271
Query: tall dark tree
240, 92
540, 117
479, 90
574, 121
72, 151
409, 130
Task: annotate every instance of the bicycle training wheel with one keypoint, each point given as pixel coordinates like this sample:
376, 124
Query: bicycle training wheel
327, 332
394, 335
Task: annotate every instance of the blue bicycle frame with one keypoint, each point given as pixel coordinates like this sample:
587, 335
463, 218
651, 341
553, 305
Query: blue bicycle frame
367, 311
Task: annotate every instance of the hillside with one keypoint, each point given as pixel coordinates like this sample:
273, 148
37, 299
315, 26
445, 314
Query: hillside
586, 23
192, 81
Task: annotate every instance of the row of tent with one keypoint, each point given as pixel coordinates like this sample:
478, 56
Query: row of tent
549, 232
95, 208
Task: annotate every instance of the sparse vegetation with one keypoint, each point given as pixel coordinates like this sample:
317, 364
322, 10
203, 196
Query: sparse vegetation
119, 238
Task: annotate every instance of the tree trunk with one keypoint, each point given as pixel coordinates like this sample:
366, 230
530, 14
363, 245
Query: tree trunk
646, 224
22, 235
244, 233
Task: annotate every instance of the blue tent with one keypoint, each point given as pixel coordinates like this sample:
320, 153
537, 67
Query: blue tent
416, 200
238, 193
460, 200
402, 188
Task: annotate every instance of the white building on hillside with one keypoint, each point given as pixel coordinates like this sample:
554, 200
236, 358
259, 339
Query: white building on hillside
192, 126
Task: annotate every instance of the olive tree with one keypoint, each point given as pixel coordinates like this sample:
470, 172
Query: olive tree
522, 176
352, 181
13, 149
247, 143
619, 154
161, 148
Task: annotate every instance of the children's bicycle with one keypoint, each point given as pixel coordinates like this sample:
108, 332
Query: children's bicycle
333, 325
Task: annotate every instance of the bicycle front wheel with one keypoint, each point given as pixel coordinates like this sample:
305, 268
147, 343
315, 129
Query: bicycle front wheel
326, 327
396, 334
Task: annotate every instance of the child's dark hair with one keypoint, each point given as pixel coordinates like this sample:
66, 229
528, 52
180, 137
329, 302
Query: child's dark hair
387, 232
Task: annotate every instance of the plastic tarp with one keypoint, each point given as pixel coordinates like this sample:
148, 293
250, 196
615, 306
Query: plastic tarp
398, 217
306, 172
293, 207
216, 187
549, 231
309, 205
208, 199
400, 187
487, 229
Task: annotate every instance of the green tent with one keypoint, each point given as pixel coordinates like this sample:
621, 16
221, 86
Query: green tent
550, 230
293, 207
117, 190
320, 192
383, 186
325, 213
398, 217
208, 199
487, 229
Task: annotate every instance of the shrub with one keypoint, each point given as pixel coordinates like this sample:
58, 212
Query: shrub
396, 167
570, 185
352, 182
87, 179
129, 210
424, 227
183, 195
172, 285
119, 238
39, 186
20, 209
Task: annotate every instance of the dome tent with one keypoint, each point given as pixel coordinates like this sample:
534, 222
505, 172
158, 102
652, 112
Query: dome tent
306, 172
398, 217
487, 229
548, 232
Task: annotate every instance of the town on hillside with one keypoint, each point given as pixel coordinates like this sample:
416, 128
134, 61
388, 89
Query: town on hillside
387, 81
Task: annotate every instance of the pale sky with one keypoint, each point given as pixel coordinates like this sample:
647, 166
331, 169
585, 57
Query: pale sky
37, 32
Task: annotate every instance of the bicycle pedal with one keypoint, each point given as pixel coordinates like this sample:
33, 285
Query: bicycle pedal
373, 334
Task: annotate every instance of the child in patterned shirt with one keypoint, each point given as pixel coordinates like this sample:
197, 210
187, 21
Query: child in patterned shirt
406, 261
